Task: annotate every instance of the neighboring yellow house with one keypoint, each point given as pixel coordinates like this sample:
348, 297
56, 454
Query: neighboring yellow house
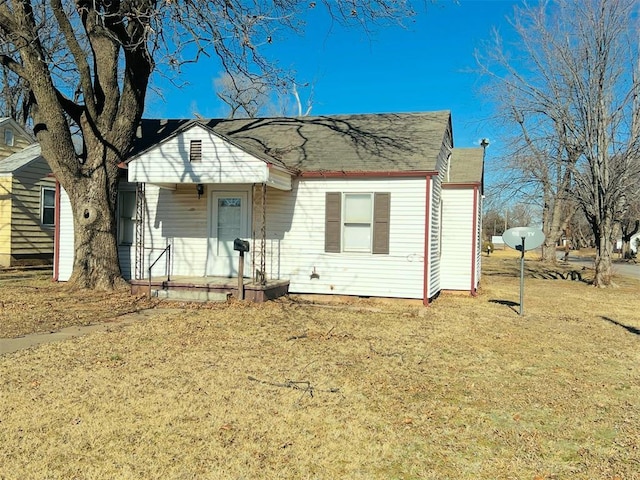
27, 199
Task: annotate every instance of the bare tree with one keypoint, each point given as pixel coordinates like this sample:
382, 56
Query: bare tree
492, 224
14, 97
252, 96
88, 63
629, 224
521, 215
245, 95
571, 87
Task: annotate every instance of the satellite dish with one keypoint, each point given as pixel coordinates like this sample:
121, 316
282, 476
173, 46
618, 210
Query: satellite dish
533, 238
523, 239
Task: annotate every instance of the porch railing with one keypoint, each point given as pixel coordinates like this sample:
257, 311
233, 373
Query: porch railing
167, 250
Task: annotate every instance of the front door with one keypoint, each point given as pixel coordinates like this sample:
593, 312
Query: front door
229, 220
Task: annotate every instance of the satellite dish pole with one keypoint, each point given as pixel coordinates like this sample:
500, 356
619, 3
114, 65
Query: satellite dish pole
522, 249
516, 238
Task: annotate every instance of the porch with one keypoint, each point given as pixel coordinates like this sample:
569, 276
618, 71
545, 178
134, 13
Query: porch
205, 288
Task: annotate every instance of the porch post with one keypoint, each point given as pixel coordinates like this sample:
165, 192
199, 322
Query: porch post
259, 238
263, 237
139, 233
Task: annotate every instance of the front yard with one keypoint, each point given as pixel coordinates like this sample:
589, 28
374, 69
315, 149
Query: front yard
464, 389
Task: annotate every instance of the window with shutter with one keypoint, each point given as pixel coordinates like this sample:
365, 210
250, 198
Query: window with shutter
332, 217
381, 215
357, 222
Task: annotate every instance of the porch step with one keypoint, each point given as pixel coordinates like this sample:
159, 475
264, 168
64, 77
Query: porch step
191, 295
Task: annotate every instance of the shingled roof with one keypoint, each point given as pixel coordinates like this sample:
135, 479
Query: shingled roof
345, 143
19, 159
466, 165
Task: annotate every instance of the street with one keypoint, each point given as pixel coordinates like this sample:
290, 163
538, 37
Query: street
628, 269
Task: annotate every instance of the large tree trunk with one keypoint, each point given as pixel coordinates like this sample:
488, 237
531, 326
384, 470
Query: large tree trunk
604, 253
109, 65
554, 222
96, 264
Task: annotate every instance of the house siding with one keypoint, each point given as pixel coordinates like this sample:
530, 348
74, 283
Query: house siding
177, 218
458, 239
435, 246
436, 210
28, 236
20, 141
65, 244
279, 179
221, 162
295, 240
5, 220
478, 239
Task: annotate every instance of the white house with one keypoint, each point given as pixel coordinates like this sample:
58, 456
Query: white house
462, 220
635, 239
367, 205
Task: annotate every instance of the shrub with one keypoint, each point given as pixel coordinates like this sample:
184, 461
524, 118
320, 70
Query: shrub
487, 246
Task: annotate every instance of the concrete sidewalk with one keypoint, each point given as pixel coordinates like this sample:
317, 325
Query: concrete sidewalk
10, 345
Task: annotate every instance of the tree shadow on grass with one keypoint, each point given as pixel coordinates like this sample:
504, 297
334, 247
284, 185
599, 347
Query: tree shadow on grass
539, 270
628, 328
508, 303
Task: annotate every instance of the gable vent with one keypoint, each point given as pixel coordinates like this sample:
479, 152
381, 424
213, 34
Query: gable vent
195, 151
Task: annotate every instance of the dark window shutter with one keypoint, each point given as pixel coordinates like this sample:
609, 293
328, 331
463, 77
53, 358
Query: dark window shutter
332, 218
381, 214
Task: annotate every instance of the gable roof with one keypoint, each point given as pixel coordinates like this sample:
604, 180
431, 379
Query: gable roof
20, 159
19, 128
466, 165
343, 143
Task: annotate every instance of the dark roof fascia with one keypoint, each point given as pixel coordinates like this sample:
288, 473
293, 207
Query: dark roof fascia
454, 185
367, 174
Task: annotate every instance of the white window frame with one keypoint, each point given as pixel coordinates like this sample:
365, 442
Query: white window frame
345, 223
122, 218
44, 208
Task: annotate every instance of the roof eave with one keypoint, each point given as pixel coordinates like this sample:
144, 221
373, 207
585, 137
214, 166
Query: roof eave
368, 174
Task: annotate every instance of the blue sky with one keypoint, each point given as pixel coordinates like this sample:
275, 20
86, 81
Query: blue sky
426, 66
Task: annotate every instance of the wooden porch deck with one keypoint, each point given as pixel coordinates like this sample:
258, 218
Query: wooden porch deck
253, 292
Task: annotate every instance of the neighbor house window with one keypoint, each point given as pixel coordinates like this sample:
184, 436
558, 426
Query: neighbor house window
48, 206
126, 217
357, 222
8, 137
195, 151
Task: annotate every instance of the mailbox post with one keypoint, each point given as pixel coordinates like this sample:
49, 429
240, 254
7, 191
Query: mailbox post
241, 246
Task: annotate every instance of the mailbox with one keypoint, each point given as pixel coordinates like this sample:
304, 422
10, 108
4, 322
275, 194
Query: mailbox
240, 245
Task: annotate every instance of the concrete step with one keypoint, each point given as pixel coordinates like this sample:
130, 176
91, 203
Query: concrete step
191, 295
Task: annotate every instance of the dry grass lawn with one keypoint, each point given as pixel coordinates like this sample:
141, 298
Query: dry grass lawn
464, 389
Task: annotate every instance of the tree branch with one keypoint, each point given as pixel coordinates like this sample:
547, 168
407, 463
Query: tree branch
78, 53
11, 64
303, 385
